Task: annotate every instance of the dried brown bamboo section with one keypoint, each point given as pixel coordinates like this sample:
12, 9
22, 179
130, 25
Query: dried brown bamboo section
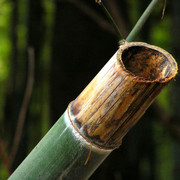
121, 92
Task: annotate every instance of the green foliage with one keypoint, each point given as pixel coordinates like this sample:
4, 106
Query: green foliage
164, 99
161, 33
5, 48
3, 172
164, 148
134, 11
5, 41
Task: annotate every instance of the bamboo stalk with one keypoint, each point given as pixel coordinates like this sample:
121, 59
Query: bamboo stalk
97, 120
111, 20
119, 95
142, 20
61, 154
138, 26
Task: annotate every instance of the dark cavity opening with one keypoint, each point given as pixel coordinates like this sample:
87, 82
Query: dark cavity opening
146, 63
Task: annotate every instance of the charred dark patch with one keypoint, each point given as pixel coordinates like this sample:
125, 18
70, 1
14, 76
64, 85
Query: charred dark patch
77, 123
95, 139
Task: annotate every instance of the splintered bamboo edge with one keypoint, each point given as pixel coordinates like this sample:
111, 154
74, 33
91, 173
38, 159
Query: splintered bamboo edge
120, 93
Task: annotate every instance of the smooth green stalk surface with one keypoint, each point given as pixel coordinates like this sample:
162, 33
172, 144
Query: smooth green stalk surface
120, 37
141, 21
59, 155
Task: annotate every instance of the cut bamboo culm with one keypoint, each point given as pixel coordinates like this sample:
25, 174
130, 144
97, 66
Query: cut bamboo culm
122, 91
97, 120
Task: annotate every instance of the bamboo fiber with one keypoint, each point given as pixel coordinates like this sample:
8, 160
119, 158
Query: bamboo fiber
97, 120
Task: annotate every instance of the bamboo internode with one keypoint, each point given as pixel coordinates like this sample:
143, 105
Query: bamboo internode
121, 92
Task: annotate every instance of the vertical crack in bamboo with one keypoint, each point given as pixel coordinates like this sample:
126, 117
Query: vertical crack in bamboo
118, 96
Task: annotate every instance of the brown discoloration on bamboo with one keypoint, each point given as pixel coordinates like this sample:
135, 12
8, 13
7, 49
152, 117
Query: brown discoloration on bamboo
121, 92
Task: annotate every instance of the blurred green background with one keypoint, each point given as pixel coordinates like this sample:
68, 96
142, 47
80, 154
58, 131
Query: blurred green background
69, 41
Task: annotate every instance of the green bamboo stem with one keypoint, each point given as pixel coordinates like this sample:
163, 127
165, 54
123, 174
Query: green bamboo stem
97, 120
61, 154
118, 32
138, 25
141, 21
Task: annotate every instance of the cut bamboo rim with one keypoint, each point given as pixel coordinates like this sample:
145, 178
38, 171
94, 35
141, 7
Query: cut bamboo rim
121, 92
